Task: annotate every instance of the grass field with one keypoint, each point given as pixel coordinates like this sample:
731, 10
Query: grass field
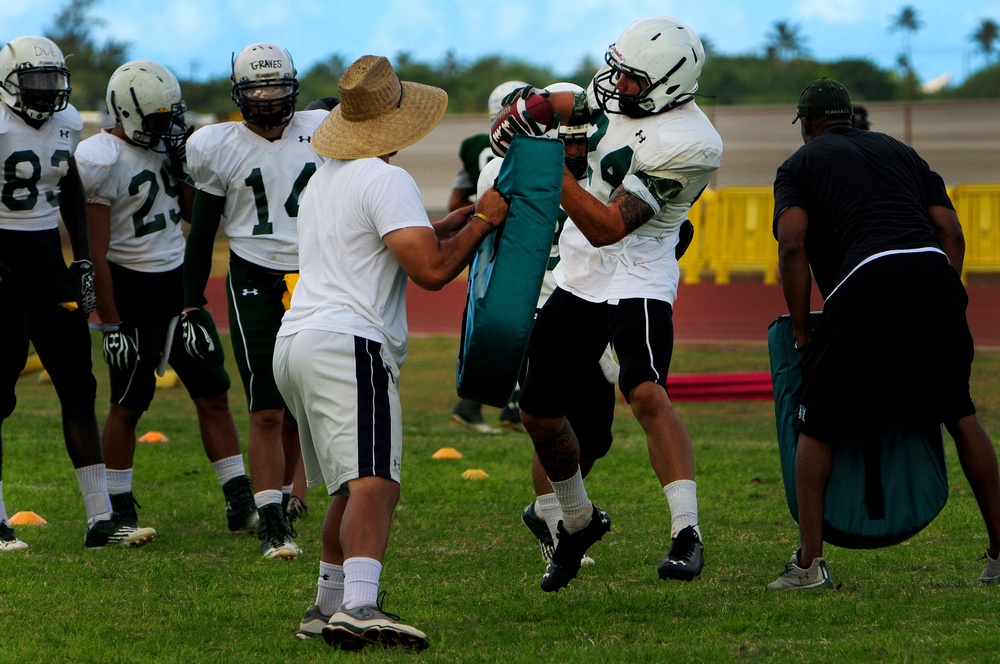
463, 568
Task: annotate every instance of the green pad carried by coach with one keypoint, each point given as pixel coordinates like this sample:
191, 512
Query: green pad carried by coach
507, 270
883, 490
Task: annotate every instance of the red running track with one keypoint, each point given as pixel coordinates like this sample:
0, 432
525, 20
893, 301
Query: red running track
736, 313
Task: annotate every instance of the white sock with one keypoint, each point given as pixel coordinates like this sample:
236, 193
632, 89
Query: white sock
3, 507
361, 577
267, 497
547, 508
286, 490
93, 482
682, 497
330, 588
229, 468
576, 507
119, 481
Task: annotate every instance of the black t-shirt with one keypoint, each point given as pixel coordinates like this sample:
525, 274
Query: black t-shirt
865, 193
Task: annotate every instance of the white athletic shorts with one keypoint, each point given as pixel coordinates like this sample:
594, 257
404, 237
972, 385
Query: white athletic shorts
344, 392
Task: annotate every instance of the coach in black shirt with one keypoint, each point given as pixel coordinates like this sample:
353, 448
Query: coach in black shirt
878, 230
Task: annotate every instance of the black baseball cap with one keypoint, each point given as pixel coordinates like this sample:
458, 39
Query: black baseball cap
822, 98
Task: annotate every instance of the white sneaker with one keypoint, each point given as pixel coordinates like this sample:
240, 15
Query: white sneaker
369, 625
797, 578
992, 572
8, 540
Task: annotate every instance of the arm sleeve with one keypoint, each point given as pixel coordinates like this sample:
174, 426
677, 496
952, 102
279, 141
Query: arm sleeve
205, 217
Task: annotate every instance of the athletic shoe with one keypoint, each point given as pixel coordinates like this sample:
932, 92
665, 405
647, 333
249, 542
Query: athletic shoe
469, 414
312, 623
8, 540
540, 530
241, 510
114, 532
276, 535
797, 578
568, 556
990, 575
370, 625
685, 558
124, 504
295, 508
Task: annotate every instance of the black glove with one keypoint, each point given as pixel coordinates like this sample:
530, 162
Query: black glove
523, 93
198, 341
83, 274
685, 236
121, 351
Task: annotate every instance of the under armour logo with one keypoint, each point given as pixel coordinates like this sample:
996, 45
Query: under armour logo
250, 291
642, 139
305, 139
802, 413
325, 577
64, 133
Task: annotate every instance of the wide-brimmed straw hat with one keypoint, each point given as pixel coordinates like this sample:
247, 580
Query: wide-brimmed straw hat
378, 114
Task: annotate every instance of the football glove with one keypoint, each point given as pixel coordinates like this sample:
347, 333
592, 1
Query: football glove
83, 275
198, 341
515, 118
121, 350
523, 93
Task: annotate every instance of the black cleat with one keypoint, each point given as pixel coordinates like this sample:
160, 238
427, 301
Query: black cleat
685, 558
568, 556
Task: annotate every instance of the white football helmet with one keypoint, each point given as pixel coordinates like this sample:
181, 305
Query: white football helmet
34, 80
664, 55
265, 88
493, 106
144, 97
577, 124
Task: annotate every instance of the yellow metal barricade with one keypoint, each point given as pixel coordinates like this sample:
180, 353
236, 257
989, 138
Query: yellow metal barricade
697, 257
743, 241
978, 207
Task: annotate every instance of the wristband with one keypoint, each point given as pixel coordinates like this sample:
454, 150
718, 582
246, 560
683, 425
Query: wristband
482, 216
105, 327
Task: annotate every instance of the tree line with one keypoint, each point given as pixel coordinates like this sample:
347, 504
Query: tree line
776, 75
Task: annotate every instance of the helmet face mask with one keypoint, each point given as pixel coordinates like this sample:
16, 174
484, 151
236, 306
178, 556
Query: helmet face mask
144, 97
265, 87
574, 133
34, 80
662, 57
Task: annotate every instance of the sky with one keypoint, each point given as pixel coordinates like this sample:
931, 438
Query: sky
196, 38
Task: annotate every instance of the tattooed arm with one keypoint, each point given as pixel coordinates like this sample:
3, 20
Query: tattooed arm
603, 224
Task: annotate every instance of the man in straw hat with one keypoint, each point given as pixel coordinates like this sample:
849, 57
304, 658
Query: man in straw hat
362, 232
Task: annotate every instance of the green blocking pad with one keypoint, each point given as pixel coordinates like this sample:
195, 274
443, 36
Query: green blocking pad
882, 490
506, 273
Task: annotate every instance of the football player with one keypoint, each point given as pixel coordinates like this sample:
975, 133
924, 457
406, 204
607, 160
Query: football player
652, 154
132, 174
475, 153
43, 301
592, 410
253, 173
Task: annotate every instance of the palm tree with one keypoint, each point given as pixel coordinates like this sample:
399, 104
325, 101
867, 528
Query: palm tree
785, 41
985, 36
908, 22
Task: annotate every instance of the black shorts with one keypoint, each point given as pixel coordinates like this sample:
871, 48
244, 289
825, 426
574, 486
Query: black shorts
146, 301
569, 337
33, 283
893, 345
255, 296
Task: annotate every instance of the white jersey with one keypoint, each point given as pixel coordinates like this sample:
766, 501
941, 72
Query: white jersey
146, 233
261, 181
32, 162
666, 160
486, 179
349, 281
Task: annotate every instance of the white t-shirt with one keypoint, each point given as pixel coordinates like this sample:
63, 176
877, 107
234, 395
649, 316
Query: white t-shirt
32, 162
349, 281
262, 182
666, 160
146, 233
